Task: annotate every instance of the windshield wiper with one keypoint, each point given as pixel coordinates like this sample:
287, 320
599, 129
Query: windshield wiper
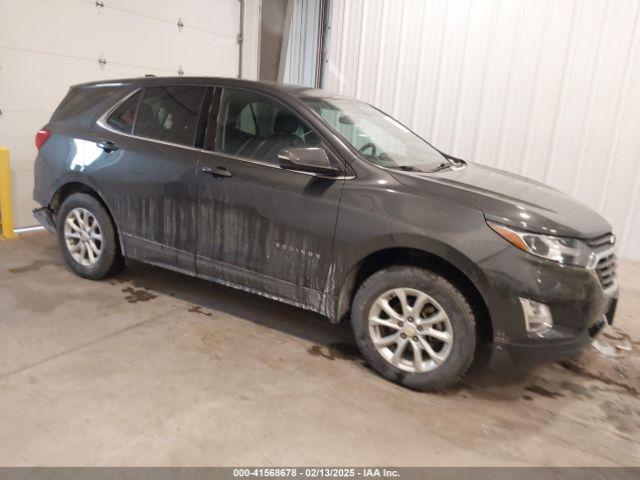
407, 168
454, 164
442, 166
456, 161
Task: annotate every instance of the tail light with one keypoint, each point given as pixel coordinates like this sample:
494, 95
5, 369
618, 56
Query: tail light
41, 137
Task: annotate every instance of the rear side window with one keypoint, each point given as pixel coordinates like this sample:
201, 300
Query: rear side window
123, 117
170, 113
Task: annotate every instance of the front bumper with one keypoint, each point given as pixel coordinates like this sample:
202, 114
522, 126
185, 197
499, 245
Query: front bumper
579, 305
544, 350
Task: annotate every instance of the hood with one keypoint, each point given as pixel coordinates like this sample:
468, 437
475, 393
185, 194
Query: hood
509, 199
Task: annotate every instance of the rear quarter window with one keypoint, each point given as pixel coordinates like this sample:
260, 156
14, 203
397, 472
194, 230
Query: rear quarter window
123, 117
79, 100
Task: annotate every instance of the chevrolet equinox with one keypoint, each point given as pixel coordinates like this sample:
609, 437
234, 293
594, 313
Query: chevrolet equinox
331, 205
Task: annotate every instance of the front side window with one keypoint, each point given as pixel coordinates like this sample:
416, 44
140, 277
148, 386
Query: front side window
170, 114
123, 117
256, 127
378, 137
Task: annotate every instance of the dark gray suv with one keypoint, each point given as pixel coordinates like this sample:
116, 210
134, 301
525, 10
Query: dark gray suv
331, 205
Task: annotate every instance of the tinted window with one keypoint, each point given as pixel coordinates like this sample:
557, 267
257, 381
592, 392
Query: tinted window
254, 126
79, 100
123, 117
170, 113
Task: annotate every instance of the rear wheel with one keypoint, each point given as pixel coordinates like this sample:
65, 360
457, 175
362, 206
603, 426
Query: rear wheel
414, 327
87, 237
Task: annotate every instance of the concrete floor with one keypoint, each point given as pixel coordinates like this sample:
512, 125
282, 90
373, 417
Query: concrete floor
156, 368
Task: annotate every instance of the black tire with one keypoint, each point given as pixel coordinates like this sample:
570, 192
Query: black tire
452, 301
110, 260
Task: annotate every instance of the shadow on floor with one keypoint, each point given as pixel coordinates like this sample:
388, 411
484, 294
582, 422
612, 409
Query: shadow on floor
330, 341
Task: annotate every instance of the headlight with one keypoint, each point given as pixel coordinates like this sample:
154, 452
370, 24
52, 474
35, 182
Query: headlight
569, 251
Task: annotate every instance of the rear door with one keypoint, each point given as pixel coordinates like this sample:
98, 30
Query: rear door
259, 226
149, 177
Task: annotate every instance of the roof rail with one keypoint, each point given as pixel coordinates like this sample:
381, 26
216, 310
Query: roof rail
149, 75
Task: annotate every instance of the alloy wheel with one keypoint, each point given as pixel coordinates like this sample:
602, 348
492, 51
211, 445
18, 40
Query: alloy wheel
83, 236
410, 330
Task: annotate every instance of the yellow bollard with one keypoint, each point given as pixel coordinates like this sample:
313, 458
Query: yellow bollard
6, 217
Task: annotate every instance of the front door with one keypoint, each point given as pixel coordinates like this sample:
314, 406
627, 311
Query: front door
258, 226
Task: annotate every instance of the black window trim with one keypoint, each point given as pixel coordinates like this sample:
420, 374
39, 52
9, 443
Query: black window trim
212, 120
203, 118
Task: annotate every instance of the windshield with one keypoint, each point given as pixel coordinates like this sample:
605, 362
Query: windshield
377, 136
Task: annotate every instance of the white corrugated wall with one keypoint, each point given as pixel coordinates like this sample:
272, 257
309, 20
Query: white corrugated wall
302, 49
546, 88
251, 38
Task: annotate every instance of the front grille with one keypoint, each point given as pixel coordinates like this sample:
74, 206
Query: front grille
602, 242
606, 270
606, 266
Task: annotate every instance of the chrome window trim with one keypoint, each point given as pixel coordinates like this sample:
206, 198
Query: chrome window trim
102, 122
272, 165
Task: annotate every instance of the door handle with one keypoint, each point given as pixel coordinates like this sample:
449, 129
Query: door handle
108, 146
218, 172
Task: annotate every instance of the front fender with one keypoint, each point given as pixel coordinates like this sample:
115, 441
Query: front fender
396, 244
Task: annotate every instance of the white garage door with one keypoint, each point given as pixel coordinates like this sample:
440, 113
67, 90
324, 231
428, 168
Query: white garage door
46, 46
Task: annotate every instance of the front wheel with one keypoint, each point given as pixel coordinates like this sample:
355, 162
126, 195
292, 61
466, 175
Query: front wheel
87, 237
414, 327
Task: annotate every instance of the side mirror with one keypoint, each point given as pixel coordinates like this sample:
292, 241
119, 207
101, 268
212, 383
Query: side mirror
307, 159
